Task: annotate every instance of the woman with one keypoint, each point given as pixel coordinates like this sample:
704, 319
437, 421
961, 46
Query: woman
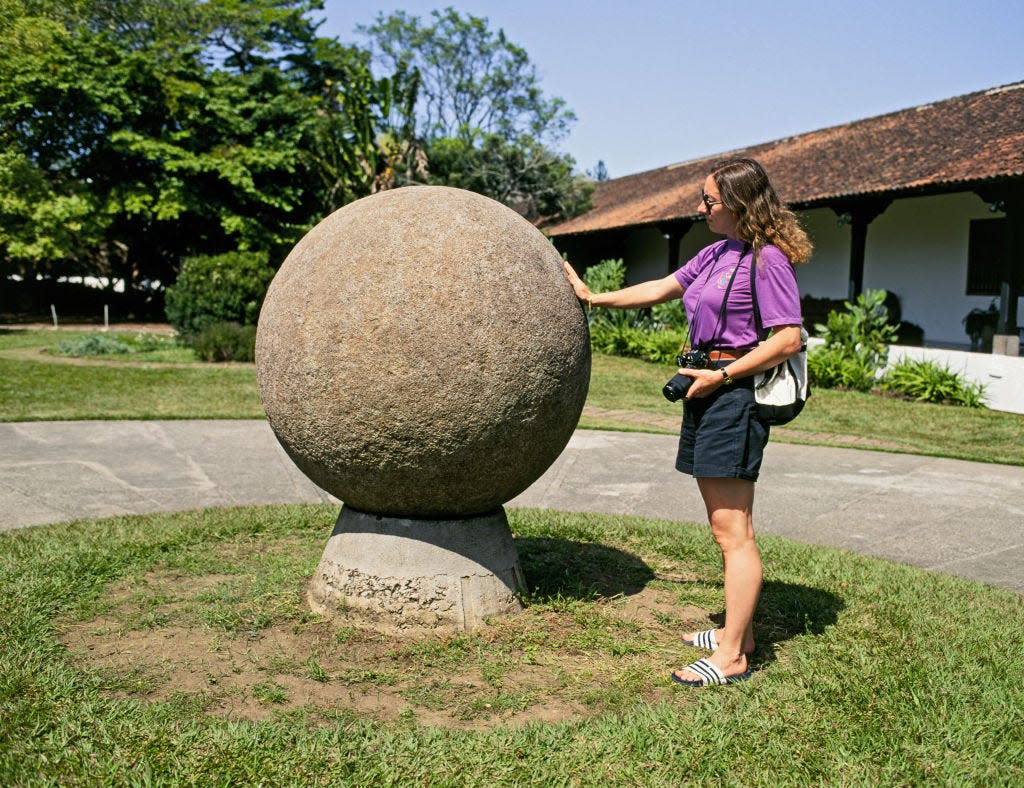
722, 440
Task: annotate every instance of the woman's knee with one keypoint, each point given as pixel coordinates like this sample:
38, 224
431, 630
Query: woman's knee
732, 530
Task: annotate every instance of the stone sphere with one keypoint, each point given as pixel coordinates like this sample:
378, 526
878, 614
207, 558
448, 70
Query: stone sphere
420, 354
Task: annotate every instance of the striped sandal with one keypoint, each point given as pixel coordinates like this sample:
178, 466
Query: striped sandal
705, 640
709, 675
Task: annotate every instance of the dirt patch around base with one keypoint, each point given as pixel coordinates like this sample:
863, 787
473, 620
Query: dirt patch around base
156, 639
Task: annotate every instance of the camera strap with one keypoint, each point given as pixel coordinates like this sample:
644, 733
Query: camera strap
710, 344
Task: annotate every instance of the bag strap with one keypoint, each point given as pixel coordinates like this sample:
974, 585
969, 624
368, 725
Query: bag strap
758, 326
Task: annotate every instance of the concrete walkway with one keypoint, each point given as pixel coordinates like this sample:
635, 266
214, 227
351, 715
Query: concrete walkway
950, 516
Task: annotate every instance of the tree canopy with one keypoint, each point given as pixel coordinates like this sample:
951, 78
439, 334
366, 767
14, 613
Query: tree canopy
137, 133
488, 125
134, 133
474, 78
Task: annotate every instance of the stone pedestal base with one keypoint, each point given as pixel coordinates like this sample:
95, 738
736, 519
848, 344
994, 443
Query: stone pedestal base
397, 574
1006, 345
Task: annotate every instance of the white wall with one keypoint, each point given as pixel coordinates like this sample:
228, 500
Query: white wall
695, 240
827, 274
647, 251
918, 250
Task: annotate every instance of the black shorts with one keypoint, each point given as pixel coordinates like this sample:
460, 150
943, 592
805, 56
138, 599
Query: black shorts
722, 437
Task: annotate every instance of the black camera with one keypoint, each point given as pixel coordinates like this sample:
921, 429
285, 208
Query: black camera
676, 388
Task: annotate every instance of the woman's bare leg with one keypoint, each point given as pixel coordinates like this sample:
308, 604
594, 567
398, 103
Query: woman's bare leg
730, 506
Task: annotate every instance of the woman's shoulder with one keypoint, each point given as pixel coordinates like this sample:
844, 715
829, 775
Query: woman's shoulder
772, 255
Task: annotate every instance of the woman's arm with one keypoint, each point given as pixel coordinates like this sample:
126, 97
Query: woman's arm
783, 343
656, 291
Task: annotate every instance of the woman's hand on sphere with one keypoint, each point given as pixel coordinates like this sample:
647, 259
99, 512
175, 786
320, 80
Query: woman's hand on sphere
579, 287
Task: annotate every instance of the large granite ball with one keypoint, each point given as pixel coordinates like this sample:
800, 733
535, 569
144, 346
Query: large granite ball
420, 354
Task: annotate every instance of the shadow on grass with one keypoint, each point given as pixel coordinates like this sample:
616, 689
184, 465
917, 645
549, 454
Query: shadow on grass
579, 570
586, 570
788, 610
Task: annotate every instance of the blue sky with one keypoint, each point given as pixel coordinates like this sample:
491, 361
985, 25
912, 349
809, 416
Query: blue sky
653, 83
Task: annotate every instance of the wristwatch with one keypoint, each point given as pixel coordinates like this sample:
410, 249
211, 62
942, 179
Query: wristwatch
725, 376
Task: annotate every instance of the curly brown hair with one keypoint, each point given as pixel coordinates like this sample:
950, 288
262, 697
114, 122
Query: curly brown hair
761, 218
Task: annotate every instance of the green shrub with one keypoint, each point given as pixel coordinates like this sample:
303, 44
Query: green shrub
604, 277
833, 367
218, 289
655, 334
671, 314
93, 345
113, 344
980, 325
864, 327
225, 342
657, 345
143, 342
856, 345
928, 381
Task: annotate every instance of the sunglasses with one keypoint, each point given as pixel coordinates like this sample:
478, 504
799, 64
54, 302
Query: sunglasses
708, 202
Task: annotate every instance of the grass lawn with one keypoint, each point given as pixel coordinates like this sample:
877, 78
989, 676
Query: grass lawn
177, 648
37, 384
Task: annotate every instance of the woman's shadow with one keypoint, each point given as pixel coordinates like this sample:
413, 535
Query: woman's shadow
561, 568
787, 610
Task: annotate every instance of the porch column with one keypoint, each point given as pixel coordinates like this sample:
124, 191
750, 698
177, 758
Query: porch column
1009, 277
859, 215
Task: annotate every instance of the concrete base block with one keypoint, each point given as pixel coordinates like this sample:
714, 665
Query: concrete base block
402, 575
1006, 345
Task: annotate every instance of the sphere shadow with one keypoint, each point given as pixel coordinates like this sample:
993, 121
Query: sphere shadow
579, 570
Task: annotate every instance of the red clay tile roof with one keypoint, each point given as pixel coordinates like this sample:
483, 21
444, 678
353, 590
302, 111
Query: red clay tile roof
933, 147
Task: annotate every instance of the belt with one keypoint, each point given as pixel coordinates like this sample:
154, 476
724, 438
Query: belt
725, 355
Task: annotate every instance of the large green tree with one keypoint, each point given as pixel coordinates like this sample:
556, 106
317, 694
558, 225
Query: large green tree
364, 139
487, 123
474, 78
521, 173
134, 133
137, 133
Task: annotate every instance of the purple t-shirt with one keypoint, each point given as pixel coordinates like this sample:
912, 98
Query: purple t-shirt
705, 278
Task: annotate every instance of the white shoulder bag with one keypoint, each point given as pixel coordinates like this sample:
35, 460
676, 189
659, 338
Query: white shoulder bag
780, 392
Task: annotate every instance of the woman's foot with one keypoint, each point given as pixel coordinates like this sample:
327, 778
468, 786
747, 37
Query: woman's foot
735, 668
711, 638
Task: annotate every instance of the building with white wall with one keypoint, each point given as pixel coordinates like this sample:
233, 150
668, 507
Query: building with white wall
926, 203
